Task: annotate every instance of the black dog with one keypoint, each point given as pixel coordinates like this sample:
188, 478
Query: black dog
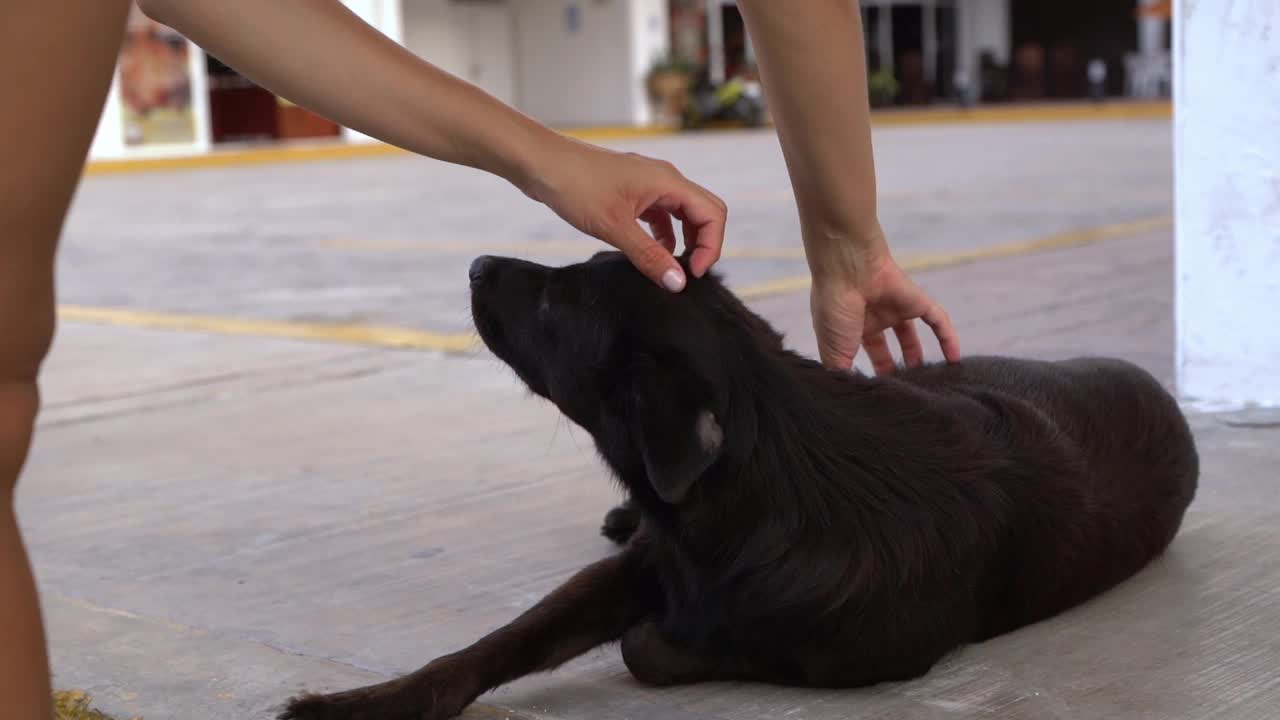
800, 525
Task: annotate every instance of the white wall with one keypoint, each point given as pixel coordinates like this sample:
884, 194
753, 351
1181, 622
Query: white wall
591, 75
1227, 199
472, 40
574, 78
982, 25
650, 40
430, 32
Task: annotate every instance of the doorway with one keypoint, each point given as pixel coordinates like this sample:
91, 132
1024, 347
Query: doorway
240, 111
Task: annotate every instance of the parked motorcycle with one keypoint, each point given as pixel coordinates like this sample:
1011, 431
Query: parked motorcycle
737, 101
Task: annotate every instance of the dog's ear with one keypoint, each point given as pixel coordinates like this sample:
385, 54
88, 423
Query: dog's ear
677, 433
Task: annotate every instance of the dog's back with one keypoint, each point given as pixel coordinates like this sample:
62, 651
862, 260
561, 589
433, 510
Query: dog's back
1126, 469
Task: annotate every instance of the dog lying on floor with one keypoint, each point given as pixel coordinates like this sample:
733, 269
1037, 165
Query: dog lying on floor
800, 525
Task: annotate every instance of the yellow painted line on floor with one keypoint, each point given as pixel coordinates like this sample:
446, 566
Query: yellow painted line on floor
1041, 113
937, 261
460, 342
392, 337
600, 134
338, 150
246, 157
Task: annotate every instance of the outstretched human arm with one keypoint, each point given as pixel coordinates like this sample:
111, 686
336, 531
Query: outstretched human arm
813, 66
320, 55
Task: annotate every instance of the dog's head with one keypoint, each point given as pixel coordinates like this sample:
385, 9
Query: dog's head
645, 371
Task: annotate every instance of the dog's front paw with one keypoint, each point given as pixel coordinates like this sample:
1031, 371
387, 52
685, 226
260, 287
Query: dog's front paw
413, 697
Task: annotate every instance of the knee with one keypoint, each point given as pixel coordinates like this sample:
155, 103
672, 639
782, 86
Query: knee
25, 338
19, 403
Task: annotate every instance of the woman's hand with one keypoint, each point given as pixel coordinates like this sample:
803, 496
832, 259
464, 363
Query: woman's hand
605, 193
848, 314
812, 55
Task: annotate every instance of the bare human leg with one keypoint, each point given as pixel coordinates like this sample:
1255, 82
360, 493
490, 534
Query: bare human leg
56, 61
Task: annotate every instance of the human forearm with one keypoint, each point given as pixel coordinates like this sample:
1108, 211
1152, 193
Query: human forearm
813, 63
320, 55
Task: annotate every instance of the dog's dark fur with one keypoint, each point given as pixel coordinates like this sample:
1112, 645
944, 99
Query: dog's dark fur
800, 525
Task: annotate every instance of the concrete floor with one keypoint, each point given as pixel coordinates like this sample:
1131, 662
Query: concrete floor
385, 242
220, 521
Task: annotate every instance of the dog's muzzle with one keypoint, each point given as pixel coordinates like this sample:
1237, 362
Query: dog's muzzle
481, 269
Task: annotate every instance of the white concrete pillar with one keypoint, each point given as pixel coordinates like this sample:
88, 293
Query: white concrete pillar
1227, 198
1150, 31
388, 17
929, 41
982, 25
884, 38
649, 25
715, 42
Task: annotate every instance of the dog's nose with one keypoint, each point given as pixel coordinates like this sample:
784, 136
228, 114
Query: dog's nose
479, 268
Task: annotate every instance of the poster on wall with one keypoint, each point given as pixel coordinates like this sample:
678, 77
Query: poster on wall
155, 84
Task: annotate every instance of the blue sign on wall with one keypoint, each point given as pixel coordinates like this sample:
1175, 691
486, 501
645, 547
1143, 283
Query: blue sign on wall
573, 17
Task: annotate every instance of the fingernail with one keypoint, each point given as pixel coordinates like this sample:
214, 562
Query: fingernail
673, 280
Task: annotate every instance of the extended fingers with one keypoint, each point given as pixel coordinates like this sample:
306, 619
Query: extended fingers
660, 225
878, 350
702, 216
940, 322
909, 343
648, 255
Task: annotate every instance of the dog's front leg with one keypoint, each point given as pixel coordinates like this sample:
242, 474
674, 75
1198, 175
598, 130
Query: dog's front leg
595, 606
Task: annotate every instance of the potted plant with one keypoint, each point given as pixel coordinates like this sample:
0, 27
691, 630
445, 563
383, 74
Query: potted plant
668, 83
883, 87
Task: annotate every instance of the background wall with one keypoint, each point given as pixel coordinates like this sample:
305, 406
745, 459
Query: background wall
573, 61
